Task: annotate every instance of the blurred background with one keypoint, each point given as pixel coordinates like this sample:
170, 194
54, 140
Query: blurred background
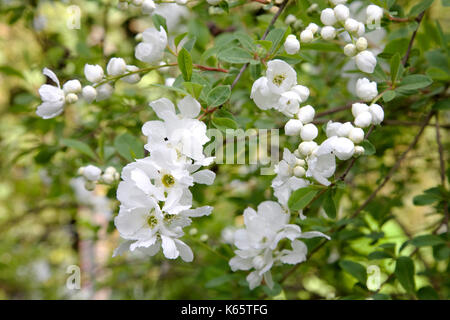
49, 222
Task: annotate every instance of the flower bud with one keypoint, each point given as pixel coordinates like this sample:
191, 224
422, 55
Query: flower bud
327, 17
359, 151
300, 162
110, 170
290, 19
373, 14
344, 129
93, 73
306, 147
328, 33
302, 91
132, 78
72, 86
350, 50
351, 25
71, 98
312, 27
366, 61
358, 108
306, 114
108, 178
148, 6
306, 36
377, 113
309, 132
361, 44
363, 120
344, 148
291, 45
299, 171
116, 66
341, 12
356, 135
365, 89
89, 93
332, 128
293, 127
80, 171
104, 92
92, 173
361, 29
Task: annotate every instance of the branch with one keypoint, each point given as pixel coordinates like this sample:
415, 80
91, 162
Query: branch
408, 52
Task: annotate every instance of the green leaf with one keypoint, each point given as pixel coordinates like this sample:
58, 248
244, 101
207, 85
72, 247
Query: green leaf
9, 71
414, 82
79, 146
355, 269
427, 293
224, 123
389, 95
159, 21
426, 240
266, 44
189, 45
329, 205
129, 146
378, 255
404, 271
275, 36
218, 96
245, 40
395, 65
418, 8
194, 89
428, 197
442, 105
235, 55
178, 39
300, 198
369, 148
185, 64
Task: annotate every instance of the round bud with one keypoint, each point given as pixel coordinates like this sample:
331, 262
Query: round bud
306, 36
351, 25
291, 45
344, 148
377, 113
132, 78
71, 98
293, 127
327, 17
359, 151
356, 135
306, 114
361, 44
363, 120
358, 108
89, 93
350, 50
108, 178
341, 12
92, 173
148, 6
306, 147
328, 33
344, 129
312, 27
93, 73
290, 19
116, 66
299, 171
300, 162
309, 132
72, 86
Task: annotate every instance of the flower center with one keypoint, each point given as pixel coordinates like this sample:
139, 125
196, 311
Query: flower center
168, 217
278, 79
152, 221
168, 180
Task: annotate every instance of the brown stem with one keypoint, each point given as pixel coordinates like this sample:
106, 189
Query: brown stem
408, 52
206, 68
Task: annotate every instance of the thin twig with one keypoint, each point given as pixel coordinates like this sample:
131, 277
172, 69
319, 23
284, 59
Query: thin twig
408, 52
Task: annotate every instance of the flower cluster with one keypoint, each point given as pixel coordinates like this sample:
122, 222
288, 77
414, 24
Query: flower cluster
93, 174
156, 203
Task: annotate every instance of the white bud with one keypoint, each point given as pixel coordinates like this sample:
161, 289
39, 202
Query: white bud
80, 171
358, 108
169, 81
148, 6
327, 17
341, 12
363, 120
204, 237
302, 91
332, 128
108, 178
110, 170
89, 93
306, 114
344, 148
309, 132
350, 50
104, 92
361, 44
93, 73
193, 231
344, 129
291, 45
359, 151
365, 89
361, 29
377, 113
328, 33
71, 98
116, 66
290, 19
92, 173
373, 14
293, 127
306, 147
300, 162
351, 25
356, 135
299, 171
72, 86
312, 27
306, 36
366, 61
132, 78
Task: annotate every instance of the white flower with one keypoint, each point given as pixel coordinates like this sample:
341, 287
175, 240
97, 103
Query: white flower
53, 98
366, 61
293, 127
289, 103
89, 93
356, 135
306, 148
116, 66
327, 17
361, 44
91, 172
312, 27
363, 120
328, 33
343, 148
148, 6
263, 97
93, 73
280, 75
365, 89
309, 132
306, 114
351, 25
104, 91
132, 78
72, 86
377, 113
374, 14
332, 128
341, 12
291, 44
344, 129
350, 50
358, 108
322, 163
306, 36
153, 45
302, 91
